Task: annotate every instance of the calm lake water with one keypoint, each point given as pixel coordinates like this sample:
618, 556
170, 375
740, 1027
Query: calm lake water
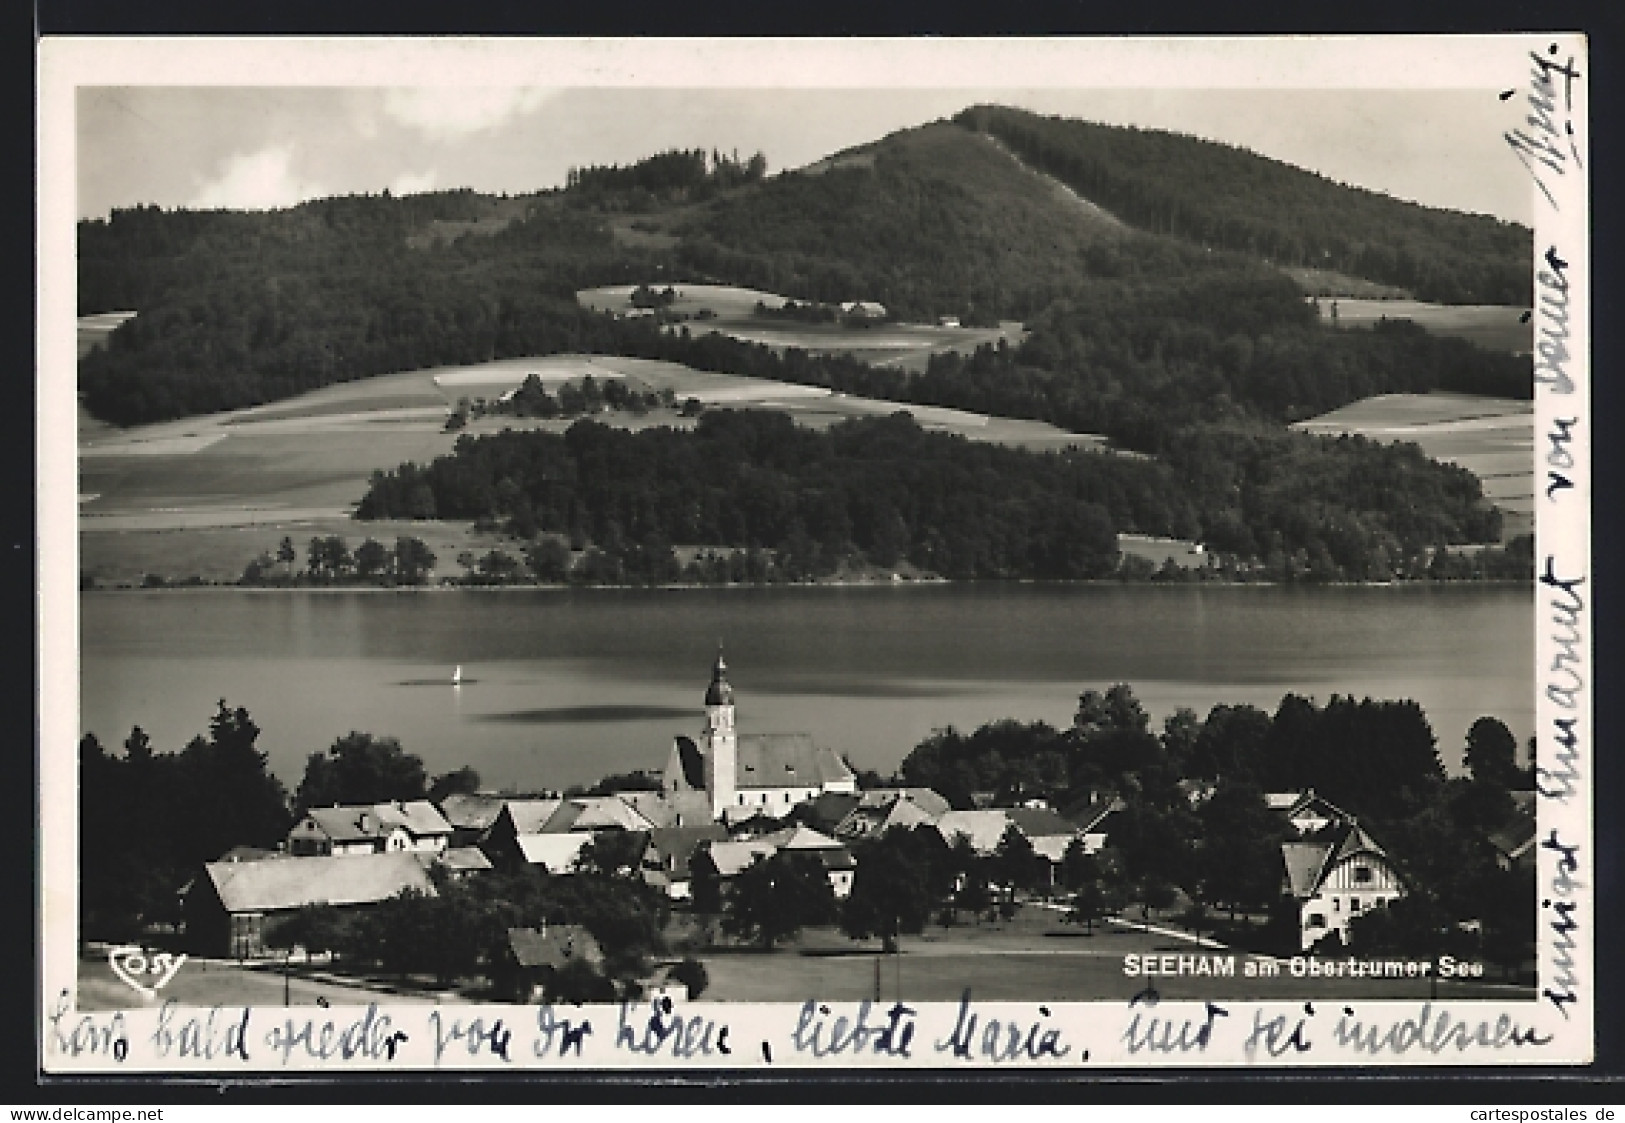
562, 687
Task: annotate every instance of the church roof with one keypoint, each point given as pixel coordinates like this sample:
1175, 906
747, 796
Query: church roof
691, 761
786, 760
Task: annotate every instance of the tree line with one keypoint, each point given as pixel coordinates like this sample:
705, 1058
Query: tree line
1377, 760
883, 490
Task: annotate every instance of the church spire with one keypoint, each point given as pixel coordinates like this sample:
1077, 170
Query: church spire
720, 693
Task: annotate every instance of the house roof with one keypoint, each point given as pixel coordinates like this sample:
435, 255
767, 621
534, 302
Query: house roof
735, 857
1310, 860
1309, 803
679, 844
1040, 822
670, 809
345, 824
251, 854
1303, 862
463, 859
594, 813
553, 946
1088, 816
556, 853
827, 810
786, 760
801, 838
985, 827
926, 799
530, 815
690, 761
419, 817
291, 883
471, 811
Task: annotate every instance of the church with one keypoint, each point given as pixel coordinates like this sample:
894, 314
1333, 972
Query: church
752, 774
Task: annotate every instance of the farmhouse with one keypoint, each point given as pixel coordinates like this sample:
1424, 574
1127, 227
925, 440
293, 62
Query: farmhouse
470, 815
724, 861
413, 825
667, 859
873, 813
551, 833
1306, 811
1335, 874
531, 956
234, 906
742, 776
864, 309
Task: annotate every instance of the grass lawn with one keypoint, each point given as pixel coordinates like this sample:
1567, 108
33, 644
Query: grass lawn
1036, 957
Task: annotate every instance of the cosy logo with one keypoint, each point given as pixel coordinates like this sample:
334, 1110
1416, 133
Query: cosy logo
146, 974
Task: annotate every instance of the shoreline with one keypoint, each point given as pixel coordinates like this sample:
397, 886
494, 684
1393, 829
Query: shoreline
942, 582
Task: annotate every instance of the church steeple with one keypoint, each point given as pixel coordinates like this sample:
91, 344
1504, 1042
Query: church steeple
718, 743
719, 693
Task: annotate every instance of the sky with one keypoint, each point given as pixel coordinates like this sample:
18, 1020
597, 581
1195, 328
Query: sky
264, 147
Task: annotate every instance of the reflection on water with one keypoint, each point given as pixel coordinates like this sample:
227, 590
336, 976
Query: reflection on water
563, 715
576, 684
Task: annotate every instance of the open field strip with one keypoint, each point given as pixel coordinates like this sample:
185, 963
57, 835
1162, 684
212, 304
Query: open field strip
1494, 438
1495, 326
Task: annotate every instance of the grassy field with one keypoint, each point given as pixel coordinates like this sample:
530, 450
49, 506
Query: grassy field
907, 346
1491, 437
202, 496
1495, 327
1035, 957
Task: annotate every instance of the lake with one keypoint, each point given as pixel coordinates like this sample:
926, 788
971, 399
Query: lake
563, 686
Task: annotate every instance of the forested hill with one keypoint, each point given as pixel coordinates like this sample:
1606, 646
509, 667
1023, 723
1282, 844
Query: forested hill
929, 221
1133, 333
1216, 195
883, 489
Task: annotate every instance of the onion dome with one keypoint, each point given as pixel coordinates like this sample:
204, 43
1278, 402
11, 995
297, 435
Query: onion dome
719, 693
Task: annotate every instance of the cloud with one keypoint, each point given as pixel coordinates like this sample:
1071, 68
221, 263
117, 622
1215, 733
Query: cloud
257, 181
451, 113
413, 183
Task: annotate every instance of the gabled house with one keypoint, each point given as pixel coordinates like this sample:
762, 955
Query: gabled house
879, 810
376, 828
470, 815
235, 906
531, 955
1307, 812
668, 856
724, 861
1336, 874
551, 833
1093, 820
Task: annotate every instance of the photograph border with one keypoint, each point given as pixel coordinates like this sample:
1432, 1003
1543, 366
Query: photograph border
1558, 1027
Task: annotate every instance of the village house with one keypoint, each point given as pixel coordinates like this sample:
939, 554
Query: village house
531, 956
724, 861
234, 907
377, 828
1092, 819
1335, 874
470, 815
741, 775
551, 833
1306, 811
668, 856
1049, 833
872, 813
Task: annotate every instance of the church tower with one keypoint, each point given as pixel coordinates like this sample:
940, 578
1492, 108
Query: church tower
719, 742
